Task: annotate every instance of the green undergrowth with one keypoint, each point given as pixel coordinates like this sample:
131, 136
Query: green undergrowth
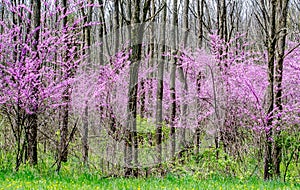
34, 178
196, 172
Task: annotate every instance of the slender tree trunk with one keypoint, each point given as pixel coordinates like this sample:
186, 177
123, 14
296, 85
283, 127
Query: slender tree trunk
131, 137
87, 39
198, 130
85, 134
1, 18
32, 139
63, 155
282, 11
200, 9
222, 20
146, 8
185, 21
131, 140
116, 25
200, 13
101, 32
33, 118
152, 53
173, 78
159, 93
182, 75
221, 31
17, 134
268, 165
18, 130
127, 132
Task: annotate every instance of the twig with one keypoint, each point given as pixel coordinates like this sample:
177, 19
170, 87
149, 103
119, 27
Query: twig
291, 50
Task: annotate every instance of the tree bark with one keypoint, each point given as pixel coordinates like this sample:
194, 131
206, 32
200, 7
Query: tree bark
282, 12
63, 154
268, 165
173, 79
222, 19
131, 143
33, 118
183, 76
200, 13
159, 93
101, 32
87, 40
1, 18
116, 25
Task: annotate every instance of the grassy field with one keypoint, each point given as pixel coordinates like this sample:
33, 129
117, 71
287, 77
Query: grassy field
28, 179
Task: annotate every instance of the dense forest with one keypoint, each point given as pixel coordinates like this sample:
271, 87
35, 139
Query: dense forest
138, 88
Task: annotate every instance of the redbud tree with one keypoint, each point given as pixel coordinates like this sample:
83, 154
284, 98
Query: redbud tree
36, 65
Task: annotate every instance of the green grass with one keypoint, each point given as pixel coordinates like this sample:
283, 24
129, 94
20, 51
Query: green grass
33, 179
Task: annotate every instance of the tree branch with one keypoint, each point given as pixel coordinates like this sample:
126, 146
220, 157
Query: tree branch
151, 18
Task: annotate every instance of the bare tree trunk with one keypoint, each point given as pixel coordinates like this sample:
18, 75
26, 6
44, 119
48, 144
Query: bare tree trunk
63, 155
85, 134
173, 79
182, 74
221, 18
32, 139
87, 39
1, 18
282, 12
185, 21
131, 140
127, 132
200, 14
151, 51
198, 129
268, 166
131, 137
200, 9
116, 25
101, 32
221, 27
159, 93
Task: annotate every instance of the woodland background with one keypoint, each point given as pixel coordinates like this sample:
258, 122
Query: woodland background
145, 87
